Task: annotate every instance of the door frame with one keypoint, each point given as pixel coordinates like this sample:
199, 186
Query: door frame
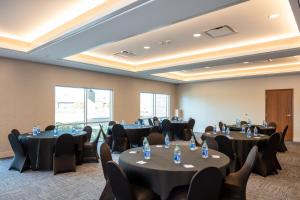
292, 112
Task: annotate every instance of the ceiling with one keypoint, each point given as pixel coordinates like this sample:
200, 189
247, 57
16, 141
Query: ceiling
155, 39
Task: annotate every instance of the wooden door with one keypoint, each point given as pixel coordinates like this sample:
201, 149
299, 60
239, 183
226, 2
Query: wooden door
279, 109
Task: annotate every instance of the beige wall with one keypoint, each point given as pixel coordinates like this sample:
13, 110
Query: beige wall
27, 94
210, 102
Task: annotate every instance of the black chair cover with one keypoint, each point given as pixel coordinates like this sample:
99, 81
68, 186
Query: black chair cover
50, 128
156, 139
119, 138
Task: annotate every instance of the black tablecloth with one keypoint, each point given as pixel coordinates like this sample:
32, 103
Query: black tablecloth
134, 132
241, 144
161, 174
261, 129
177, 128
41, 148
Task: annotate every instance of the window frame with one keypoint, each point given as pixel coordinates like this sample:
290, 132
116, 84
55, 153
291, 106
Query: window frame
85, 89
168, 104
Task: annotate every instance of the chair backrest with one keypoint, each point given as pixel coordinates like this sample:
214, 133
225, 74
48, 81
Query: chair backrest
272, 145
273, 124
166, 126
105, 156
221, 125
243, 123
155, 119
88, 131
174, 118
64, 145
209, 128
150, 122
156, 139
155, 129
243, 174
203, 187
284, 132
50, 128
16, 146
111, 123
191, 123
96, 140
118, 131
225, 146
119, 182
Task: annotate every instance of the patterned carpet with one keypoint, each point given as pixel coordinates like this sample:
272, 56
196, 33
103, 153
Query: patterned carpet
88, 182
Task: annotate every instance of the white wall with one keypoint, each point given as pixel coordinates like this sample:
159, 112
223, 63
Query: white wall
226, 100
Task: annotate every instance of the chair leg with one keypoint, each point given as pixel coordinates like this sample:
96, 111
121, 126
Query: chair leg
277, 164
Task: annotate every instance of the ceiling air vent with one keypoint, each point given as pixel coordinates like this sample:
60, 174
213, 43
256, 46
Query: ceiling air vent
220, 31
125, 54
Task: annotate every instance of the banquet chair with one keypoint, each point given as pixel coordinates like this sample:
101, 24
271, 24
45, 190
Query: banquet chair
121, 187
105, 156
201, 186
90, 148
234, 187
188, 131
155, 139
267, 162
282, 147
150, 122
273, 124
221, 125
88, 131
64, 159
243, 123
108, 137
50, 128
120, 140
155, 129
225, 146
166, 127
209, 128
21, 160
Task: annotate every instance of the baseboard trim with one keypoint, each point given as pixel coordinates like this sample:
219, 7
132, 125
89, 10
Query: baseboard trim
6, 154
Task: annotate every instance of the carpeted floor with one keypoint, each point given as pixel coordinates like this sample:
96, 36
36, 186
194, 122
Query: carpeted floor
87, 183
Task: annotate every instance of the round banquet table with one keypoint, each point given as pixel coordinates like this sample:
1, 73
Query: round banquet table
135, 133
241, 144
177, 128
161, 174
261, 129
40, 148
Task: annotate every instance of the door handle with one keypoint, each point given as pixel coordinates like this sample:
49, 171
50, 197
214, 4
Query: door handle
288, 115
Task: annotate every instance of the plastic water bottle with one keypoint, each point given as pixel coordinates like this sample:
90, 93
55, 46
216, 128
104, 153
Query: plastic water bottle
55, 131
204, 150
249, 122
243, 129
34, 131
177, 155
238, 123
145, 143
227, 131
147, 152
255, 132
38, 130
215, 129
192, 144
265, 124
223, 128
167, 141
249, 134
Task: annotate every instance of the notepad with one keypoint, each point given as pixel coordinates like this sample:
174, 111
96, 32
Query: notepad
141, 162
215, 156
159, 146
188, 166
132, 152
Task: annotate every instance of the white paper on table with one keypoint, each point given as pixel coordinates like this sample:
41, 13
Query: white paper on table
159, 146
141, 162
229, 137
132, 152
215, 156
257, 137
188, 166
208, 133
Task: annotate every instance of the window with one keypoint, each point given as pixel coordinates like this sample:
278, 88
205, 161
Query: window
80, 105
154, 105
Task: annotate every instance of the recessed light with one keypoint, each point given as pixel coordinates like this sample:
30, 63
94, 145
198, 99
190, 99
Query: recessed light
196, 35
246, 62
270, 60
274, 16
207, 67
147, 47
